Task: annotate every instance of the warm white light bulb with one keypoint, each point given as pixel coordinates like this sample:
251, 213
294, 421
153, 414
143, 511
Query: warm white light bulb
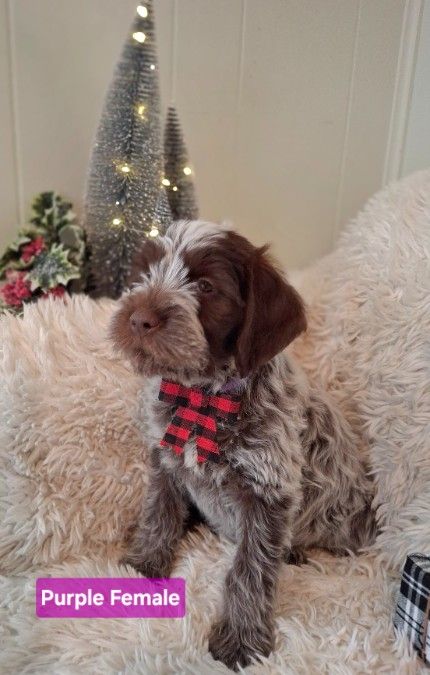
125, 168
117, 202
187, 170
141, 110
154, 232
174, 188
142, 11
165, 181
139, 36
116, 221
152, 66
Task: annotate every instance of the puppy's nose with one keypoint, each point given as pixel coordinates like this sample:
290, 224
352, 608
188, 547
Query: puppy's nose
142, 321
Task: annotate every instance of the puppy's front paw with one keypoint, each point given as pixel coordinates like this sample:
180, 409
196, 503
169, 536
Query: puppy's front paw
227, 645
152, 565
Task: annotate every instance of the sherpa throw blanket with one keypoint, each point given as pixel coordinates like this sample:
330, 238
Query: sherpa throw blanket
73, 468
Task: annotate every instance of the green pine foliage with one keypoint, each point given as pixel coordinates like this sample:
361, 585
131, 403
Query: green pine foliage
47, 256
52, 268
51, 213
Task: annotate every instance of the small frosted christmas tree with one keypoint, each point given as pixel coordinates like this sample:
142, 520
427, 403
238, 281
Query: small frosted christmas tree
177, 171
124, 200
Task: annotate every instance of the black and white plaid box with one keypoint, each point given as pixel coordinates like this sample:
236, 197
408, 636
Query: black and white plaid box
413, 603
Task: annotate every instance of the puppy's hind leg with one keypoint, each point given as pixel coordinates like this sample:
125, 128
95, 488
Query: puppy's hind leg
336, 513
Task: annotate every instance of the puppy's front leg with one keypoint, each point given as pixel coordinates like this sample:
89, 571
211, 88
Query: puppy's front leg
246, 627
155, 539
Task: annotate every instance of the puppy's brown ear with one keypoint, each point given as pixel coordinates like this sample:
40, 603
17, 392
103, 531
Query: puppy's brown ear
274, 315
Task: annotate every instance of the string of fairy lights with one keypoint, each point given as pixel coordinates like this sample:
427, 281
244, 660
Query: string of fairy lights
124, 167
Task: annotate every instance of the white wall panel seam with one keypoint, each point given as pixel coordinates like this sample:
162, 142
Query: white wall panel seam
239, 91
402, 91
345, 146
13, 88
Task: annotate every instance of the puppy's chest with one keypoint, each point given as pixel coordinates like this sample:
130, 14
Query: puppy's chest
251, 450
226, 437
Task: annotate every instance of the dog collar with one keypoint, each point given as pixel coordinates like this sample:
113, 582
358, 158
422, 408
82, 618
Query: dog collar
235, 385
197, 411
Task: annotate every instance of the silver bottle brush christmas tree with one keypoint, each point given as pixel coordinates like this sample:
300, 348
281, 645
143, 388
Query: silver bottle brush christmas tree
178, 175
125, 200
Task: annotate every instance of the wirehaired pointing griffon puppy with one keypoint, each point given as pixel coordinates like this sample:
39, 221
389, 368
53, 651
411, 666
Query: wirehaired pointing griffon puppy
237, 434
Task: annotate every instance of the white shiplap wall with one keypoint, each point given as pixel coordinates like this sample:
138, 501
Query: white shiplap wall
416, 149
294, 110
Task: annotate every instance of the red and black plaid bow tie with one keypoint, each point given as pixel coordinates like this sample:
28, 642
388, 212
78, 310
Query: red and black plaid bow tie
196, 411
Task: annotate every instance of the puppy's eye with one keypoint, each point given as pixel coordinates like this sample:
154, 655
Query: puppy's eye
205, 286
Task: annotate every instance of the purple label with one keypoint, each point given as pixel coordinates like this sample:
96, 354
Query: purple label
75, 598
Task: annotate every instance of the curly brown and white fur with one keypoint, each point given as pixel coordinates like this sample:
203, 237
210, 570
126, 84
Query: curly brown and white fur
207, 306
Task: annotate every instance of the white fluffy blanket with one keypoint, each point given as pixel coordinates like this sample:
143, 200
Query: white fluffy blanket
72, 469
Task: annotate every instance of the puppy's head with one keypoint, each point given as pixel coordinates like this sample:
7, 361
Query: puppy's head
205, 299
